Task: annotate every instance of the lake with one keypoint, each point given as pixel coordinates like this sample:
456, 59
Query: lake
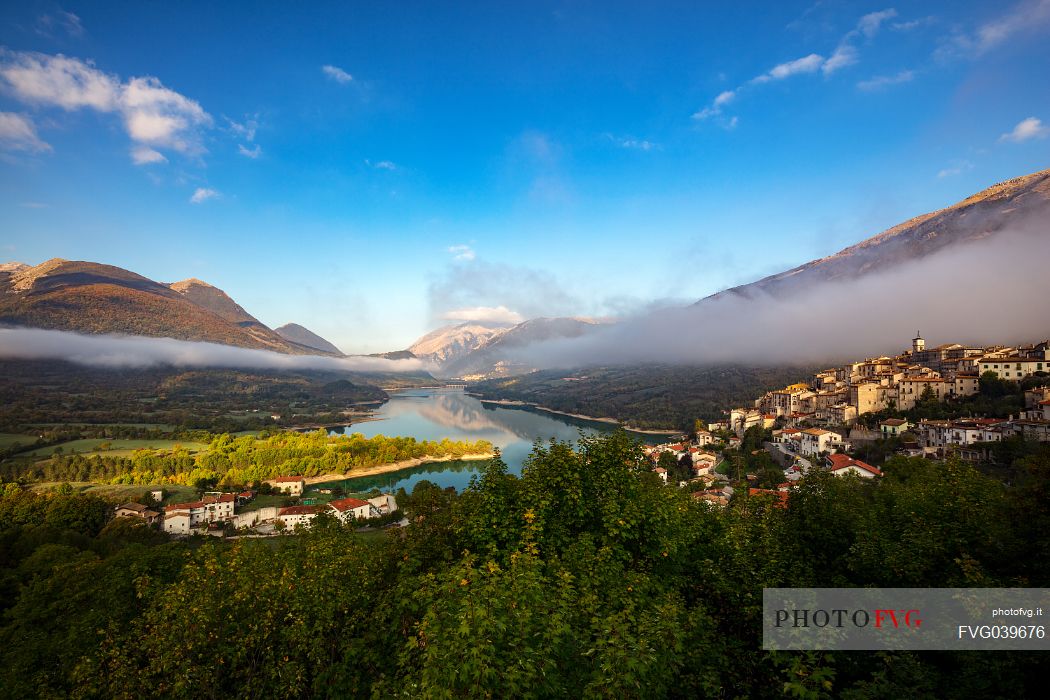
433, 414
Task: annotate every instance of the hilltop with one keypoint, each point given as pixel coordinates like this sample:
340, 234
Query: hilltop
90, 297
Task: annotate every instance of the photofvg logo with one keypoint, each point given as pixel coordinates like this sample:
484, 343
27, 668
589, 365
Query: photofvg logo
841, 617
905, 618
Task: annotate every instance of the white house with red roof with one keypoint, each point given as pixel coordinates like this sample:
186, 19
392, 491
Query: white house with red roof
350, 509
298, 516
213, 507
841, 465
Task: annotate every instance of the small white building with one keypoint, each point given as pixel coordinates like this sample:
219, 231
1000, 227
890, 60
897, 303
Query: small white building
841, 465
298, 516
177, 522
384, 503
213, 507
813, 441
292, 485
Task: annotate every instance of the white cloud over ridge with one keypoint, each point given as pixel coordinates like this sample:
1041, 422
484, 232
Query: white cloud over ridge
483, 314
137, 351
153, 115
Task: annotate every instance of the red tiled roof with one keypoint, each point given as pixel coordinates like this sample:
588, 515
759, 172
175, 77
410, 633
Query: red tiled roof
841, 461
347, 504
298, 510
287, 479
183, 506
781, 496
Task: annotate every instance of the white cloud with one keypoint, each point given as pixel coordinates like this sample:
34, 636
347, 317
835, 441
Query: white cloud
1026, 129
156, 115
153, 114
48, 24
845, 55
462, 252
203, 194
252, 153
490, 314
633, 144
882, 81
18, 133
144, 155
806, 64
381, 164
911, 24
956, 168
870, 23
1026, 17
59, 81
724, 98
721, 100
246, 129
337, 74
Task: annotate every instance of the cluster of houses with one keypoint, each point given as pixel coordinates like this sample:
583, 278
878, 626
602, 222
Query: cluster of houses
813, 424
837, 396
215, 510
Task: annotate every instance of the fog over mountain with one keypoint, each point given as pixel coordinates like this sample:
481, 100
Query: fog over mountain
988, 291
140, 351
971, 272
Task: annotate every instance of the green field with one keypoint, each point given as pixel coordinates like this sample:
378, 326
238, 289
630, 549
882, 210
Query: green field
262, 501
154, 426
11, 439
118, 448
124, 492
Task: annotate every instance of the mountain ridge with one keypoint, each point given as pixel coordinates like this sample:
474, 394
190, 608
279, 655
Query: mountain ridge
978, 216
89, 297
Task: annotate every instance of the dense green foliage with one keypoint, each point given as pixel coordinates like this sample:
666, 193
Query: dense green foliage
582, 578
650, 396
241, 460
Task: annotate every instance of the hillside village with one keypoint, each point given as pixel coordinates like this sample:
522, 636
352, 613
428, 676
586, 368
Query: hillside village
219, 513
824, 423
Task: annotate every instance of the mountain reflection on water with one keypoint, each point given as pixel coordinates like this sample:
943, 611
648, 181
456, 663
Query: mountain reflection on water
434, 414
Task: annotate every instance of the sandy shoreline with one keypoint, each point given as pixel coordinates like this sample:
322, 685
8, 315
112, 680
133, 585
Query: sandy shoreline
610, 421
396, 466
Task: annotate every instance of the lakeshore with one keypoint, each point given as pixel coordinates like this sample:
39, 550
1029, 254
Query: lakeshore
397, 466
609, 421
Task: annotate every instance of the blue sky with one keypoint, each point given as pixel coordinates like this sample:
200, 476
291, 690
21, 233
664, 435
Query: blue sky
372, 170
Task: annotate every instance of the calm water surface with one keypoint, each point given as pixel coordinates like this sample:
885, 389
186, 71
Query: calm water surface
433, 414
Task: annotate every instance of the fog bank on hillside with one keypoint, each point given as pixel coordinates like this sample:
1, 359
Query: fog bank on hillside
996, 290
137, 351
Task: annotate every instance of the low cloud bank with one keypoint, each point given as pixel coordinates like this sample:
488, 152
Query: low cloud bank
137, 351
996, 290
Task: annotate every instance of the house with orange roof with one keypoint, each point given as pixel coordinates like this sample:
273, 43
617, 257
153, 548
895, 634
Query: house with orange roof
841, 465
